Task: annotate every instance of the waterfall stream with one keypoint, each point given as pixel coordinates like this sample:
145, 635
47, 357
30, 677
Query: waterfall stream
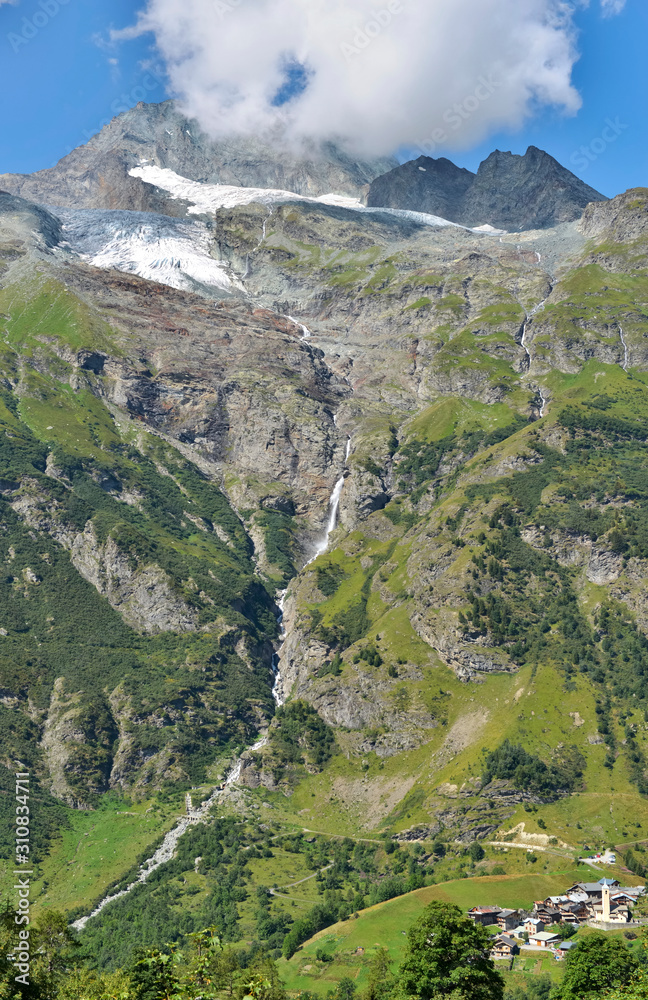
277, 689
529, 317
626, 357
333, 509
306, 334
167, 848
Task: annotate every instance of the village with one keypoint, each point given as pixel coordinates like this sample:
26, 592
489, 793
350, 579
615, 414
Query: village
604, 904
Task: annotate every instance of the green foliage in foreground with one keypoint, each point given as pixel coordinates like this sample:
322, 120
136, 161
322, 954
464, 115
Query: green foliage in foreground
204, 969
447, 956
448, 953
598, 963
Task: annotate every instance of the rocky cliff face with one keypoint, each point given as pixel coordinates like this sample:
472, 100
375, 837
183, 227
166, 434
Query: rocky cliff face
508, 192
423, 185
97, 175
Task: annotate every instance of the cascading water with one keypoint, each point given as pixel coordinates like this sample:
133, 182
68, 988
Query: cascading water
167, 848
529, 317
277, 689
306, 334
626, 357
278, 692
334, 508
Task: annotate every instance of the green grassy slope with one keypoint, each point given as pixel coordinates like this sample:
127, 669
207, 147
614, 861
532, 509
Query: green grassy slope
352, 942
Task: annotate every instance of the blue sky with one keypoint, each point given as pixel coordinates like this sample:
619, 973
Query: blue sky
61, 84
612, 77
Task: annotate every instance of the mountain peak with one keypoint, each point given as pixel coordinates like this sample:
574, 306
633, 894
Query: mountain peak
96, 175
435, 186
509, 191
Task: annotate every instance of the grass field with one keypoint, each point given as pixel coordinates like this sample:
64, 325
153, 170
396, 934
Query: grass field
98, 848
385, 925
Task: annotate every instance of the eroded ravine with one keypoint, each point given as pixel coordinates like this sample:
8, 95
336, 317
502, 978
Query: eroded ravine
166, 851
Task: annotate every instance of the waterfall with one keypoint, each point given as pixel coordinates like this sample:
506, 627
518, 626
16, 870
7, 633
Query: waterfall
626, 357
523, 344
278, 692
543, 405
277, 689
333, 508
306, 334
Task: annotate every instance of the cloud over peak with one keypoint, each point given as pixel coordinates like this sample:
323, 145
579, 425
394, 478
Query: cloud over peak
376, 74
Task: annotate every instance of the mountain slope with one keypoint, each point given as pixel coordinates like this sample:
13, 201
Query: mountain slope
423, 185
476, 404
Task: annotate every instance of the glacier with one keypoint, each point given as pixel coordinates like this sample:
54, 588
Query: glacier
177, 251
206, 198
174, 252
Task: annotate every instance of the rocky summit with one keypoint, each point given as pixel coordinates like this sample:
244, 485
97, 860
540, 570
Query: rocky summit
508, 191
326, 514
96, 175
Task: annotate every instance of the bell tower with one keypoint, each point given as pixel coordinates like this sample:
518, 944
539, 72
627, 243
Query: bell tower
605, 913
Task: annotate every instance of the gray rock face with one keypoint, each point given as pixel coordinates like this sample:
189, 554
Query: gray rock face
509, 191
42, 223
622, 218
69, 735
142, 594
602, 566
526, 192
96, 175
424, 185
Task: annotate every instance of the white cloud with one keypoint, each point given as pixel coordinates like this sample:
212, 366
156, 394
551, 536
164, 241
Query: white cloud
383, 73
611, 7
